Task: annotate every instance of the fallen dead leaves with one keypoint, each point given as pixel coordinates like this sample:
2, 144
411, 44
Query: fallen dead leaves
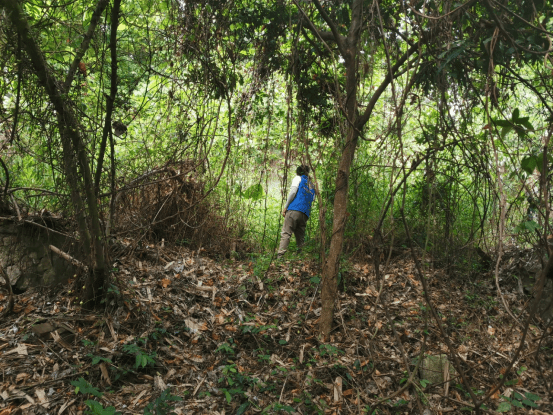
200, 318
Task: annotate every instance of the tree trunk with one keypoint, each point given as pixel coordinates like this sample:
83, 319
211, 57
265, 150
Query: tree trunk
76, 163
332, 264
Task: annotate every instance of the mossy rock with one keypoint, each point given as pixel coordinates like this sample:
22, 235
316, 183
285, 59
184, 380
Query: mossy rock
432, 368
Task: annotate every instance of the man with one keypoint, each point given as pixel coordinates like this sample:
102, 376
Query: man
297, 209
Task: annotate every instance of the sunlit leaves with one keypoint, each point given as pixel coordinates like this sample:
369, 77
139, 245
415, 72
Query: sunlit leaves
254, 192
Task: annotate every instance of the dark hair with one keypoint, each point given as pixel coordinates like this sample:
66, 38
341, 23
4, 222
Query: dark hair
302, 170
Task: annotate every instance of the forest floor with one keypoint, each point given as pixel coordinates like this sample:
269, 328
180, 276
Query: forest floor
184, 334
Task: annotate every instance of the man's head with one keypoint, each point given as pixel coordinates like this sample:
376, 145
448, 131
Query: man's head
302, 170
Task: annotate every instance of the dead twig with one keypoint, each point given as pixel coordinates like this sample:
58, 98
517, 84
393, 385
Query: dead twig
16, 207
68, 258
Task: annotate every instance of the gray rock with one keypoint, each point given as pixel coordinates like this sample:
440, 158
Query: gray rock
13, 273
432, 368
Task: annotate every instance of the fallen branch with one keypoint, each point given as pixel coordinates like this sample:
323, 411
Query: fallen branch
9, 308
68, 258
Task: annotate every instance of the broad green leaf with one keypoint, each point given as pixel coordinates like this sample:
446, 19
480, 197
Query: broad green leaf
528, 164
243, 408
528, 402
502, 123
504, 407
516, 114
532, 397
527, 124
518, 396
505, 130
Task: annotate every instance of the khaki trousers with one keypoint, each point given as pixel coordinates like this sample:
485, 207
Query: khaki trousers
294, 222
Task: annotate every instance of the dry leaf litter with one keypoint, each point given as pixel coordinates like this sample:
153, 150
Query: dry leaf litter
228, 338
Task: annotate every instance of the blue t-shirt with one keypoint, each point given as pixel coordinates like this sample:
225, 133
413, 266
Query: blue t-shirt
304, 197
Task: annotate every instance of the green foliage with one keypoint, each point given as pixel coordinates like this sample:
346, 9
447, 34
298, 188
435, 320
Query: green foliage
87, 343
277, 407
254, 192
521, 125
518, 400
329, 350
504, 407
257, 329
262, 357
225, 348
528, 225
142, 357
84, 387
236, 384
315, 280
98, 359
96, 408
162, 405
311, 405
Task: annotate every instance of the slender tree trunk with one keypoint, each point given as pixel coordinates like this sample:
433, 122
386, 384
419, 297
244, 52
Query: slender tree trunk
332, 263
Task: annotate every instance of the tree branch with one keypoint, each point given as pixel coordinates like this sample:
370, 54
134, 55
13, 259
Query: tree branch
370, 106
112, 93
356, 22
338, 38
7, 173
102, 4
325, 36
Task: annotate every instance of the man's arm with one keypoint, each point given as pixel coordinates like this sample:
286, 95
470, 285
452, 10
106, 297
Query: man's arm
291, 196
293, 191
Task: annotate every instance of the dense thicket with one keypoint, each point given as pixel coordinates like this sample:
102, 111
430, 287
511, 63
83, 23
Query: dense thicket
434, 112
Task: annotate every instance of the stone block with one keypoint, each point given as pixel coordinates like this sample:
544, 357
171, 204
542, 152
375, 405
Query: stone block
25, 263
4, 259
432, 368
25, 252
13, 273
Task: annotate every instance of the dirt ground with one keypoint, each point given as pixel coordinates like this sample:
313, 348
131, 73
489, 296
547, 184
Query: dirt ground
183, 334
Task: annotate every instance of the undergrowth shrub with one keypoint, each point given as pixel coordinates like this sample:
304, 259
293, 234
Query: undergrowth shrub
170, 204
